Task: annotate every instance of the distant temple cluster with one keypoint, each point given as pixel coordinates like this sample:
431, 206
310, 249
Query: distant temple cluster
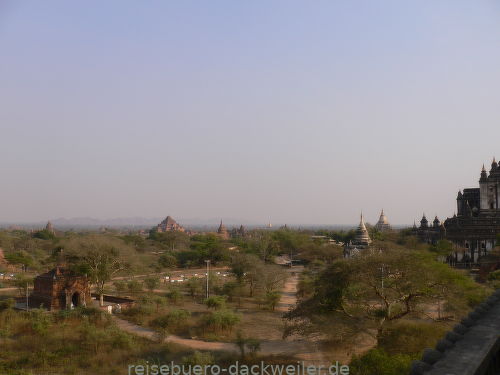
474, 227
362, 238
170, 225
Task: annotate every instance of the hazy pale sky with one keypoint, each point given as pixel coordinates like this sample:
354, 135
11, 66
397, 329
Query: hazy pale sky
302, 112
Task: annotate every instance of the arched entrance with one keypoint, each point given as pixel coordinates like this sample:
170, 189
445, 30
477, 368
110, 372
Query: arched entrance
75, 300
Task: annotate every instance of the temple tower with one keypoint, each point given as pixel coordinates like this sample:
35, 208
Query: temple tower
383, 224
222, 231
362, 237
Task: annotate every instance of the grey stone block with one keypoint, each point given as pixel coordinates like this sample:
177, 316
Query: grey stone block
431, 356
419, 368
443, 345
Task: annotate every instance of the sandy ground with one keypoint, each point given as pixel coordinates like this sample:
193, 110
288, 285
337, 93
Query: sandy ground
289, 292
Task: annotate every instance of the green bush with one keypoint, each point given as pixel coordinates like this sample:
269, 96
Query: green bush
216, 302
222, 320
7, 304
198, 359
172, 321
40, 321
151, 283
134, 286
272, 299
410, 337
175, 296
378, 362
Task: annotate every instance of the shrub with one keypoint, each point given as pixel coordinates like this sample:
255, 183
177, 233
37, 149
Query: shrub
173, 321
410, 337
230, 289
222, 320
378, 362
216, 302
151, 283
272, 299
194, 286
167, 261
175, 296
198, 359
134, 286
120, 286
7, 304
494, 279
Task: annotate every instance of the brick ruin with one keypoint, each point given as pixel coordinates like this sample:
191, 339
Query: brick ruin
60, 289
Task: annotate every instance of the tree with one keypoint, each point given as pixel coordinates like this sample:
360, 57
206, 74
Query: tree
222, 320
241, 264
120, 286
175, 296
442, 247
103, 262
22, 283
134, 286
270, 277
135, 240
366, 293
170, 240
209, 246
44, 234
246, 342
172, 321
151, 283
194, 286
272, 299
216, 302
230, 289
21, 258
167, 261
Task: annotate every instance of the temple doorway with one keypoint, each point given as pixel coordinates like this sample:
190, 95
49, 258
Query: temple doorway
75, 300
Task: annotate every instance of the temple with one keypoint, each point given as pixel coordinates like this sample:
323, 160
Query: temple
474, 228
60, 289
382, 223
222, 231
239, 232
50, 228
169, 225
361, 240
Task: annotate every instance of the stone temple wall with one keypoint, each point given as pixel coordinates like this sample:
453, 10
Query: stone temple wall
471, 348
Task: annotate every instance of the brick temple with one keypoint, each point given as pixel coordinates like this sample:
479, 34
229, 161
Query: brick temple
60, 289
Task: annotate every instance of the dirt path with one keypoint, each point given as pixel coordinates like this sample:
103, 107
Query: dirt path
289, 292
274, 347
2, 290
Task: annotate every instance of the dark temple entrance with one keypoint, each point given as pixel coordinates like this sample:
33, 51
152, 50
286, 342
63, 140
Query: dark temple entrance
75, 299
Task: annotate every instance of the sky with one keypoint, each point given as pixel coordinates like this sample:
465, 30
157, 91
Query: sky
292, 112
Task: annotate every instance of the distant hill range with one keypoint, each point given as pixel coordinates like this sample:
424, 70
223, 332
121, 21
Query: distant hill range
129, 222
144, 223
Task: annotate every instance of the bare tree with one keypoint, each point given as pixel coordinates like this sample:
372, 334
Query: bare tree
103, 262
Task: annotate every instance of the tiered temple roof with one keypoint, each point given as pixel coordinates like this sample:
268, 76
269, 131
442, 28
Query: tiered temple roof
362, 237
168, 225
222, 231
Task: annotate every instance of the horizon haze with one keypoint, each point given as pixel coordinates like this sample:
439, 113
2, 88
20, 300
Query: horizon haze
289, 112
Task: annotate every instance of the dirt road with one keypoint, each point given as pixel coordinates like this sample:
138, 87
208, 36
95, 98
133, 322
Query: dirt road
289, 292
